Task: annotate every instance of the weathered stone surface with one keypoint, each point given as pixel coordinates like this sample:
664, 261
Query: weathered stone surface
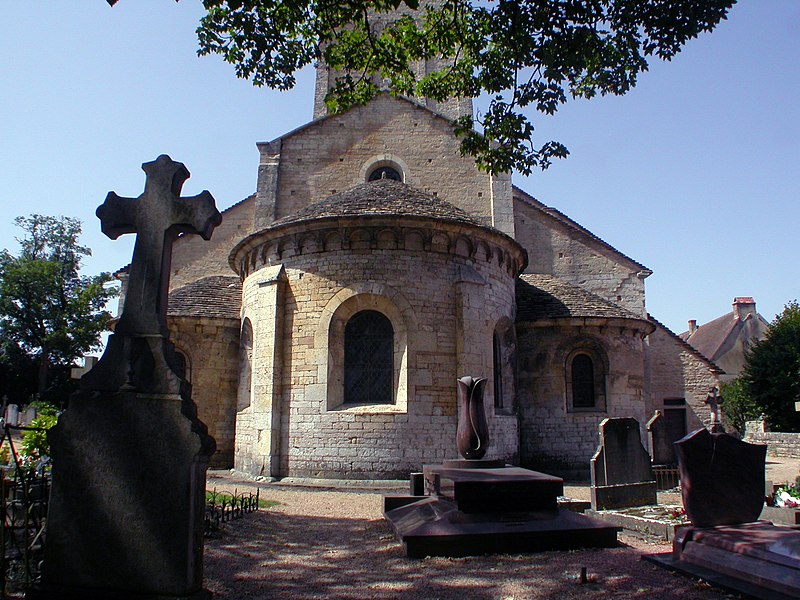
130, 455
621, 471
722, 478
758, 559
661, 452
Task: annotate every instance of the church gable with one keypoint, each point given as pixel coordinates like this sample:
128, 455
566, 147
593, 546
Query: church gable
336, 153
558, 246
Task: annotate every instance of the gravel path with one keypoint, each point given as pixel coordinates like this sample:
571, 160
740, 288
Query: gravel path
335, 544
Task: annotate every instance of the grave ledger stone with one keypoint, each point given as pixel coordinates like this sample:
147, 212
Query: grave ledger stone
722, 483
474, 505
130, 455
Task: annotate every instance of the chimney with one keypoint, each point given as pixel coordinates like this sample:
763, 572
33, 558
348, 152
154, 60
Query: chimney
692, 326
743, 307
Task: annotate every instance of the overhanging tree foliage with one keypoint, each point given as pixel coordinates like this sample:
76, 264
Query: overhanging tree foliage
524, 54
48, 311
772, 371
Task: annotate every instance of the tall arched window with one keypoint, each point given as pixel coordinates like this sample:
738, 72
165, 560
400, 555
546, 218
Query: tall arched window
586, 369
497, 355
368, 359
583, 381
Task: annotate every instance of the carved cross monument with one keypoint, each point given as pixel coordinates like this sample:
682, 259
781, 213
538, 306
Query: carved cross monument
157, 217
129, 454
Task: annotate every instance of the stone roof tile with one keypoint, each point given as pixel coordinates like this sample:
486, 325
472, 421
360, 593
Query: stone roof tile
541, 297
212, 297
384, 197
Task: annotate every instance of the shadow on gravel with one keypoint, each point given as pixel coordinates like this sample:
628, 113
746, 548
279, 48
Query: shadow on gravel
273, 555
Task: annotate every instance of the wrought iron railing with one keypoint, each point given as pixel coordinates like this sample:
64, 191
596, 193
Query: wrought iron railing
667, 477
222, 507
24, 496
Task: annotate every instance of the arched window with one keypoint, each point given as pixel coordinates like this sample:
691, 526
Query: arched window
582, 381
183, 365
368, 359
586, 379
497, 354
245, 365
385, 173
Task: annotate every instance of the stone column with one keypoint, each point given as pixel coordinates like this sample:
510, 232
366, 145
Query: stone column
260, 423
267, 189
472, 341
502, 203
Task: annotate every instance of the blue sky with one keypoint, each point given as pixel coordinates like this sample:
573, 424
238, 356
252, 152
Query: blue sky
694, 173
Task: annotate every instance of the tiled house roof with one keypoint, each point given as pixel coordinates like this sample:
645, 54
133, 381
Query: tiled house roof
709, 338
211, 297
542, 297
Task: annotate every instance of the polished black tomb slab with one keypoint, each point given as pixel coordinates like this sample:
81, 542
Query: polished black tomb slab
473, 511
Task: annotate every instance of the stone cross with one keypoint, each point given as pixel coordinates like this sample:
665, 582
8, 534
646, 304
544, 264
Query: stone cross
157, 217
714, 399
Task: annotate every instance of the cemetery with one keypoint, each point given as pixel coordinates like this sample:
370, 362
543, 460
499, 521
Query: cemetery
387, 373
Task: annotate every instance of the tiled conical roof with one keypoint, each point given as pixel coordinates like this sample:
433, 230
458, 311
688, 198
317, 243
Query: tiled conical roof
384, 197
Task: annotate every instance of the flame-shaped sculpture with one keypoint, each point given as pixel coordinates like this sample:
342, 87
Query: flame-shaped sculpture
472, 436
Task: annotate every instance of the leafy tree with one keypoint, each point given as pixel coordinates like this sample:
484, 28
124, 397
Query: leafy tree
772, 370
524, 54
48, 311
737, 406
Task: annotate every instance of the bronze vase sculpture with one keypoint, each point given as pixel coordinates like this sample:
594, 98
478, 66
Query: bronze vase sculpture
472, 435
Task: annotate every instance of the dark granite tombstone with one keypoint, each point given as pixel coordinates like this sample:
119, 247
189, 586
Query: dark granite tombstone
661, 452
130, 455
622, 475
479, 506
722, 483
722, 478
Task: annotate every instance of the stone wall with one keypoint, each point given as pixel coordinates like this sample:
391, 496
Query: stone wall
418, 290
554, 437
211, 347
194, 258
335, 154
555, 248
678, 371
784, 445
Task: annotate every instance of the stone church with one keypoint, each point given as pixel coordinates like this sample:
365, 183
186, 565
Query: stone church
324, 325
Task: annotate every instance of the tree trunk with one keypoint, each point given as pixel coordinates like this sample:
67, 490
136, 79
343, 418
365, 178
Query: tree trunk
44, 372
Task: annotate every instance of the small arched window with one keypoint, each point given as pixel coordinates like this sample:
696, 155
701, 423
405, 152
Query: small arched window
583, 381
183, 365
368, 359
385, 173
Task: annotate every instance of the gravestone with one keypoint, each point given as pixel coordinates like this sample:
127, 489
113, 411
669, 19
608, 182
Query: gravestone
661, 452
130, 455
12, 415
622, 476
474, 505
722, 483
722, 478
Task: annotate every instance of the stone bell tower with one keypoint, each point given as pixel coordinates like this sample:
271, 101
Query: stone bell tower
452, 108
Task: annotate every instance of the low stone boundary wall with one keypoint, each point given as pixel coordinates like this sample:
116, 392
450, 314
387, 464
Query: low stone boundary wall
784, 445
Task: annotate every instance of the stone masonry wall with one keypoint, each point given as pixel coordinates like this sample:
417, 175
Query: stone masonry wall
556, 249
332, 156
785, 445
380, 440
677, 372
553, 438
194, 258
211, 347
